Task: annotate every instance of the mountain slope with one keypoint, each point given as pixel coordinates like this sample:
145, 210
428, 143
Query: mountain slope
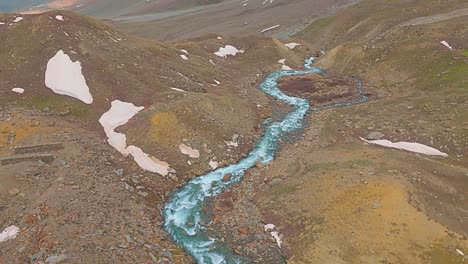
103, 8
199, 100
341, 200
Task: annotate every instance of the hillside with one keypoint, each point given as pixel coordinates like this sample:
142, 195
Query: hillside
234, 18
103, 8
101, 130
196, 102
336, 199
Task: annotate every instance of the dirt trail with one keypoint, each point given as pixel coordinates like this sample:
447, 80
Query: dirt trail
435, 18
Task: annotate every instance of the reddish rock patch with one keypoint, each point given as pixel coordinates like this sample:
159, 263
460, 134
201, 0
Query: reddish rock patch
320, 89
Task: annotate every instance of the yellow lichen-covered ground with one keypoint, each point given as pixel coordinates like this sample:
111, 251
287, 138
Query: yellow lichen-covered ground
365, 204
22, 130
167, 129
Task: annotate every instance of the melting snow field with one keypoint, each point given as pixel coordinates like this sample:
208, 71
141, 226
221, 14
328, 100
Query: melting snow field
408, 146
227, 50
59, 17
119, 114
9, 233
63, 76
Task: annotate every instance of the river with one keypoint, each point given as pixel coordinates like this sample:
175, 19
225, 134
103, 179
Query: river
184, 217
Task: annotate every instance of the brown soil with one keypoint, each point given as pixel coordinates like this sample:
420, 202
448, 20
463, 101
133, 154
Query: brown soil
321, 89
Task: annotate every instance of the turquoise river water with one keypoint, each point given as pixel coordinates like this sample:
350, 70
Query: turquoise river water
183, 214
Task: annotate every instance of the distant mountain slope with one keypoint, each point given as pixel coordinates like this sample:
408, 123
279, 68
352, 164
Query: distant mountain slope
233, 17
103, 8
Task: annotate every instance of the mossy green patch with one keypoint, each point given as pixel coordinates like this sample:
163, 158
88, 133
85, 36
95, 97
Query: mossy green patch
57, 104
283, 189
448, 76
349, 164
317, 25
441, 255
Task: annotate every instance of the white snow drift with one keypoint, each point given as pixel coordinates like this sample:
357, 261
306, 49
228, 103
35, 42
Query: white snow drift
63, 76
18, 90
270, 28
408, 146
59, 17
213, 164
292, 45
275, 234
192, 153
445, 43
17, 19
119, 114
227, 50
9, 233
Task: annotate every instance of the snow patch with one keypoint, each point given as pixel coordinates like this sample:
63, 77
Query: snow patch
270, 28
177, 89
9, 233
275, 234
184, 57
217, 82
292, 45
147, 162
286, 68
445, 43
63, 76
192, 153
184, 51
2, 23
17, 19
227, 50
231, 144
213, 164
119, 114
408, 146
59, 17
282, 61
18, 90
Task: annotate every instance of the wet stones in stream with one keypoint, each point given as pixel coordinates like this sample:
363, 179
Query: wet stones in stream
236, 222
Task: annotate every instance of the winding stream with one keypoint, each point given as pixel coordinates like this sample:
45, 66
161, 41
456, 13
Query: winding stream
184, 218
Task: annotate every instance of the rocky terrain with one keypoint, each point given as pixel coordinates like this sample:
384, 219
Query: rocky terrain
332, 197
56, 193
335, 199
